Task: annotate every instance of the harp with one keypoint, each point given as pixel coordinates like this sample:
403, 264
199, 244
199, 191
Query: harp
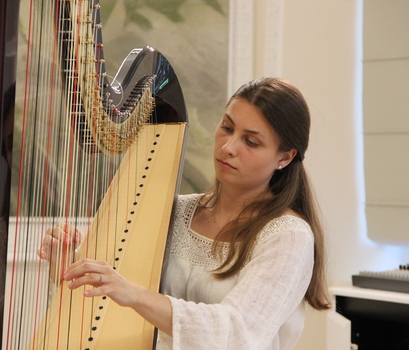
102, 155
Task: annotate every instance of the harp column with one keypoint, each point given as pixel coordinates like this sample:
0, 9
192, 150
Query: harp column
8, 52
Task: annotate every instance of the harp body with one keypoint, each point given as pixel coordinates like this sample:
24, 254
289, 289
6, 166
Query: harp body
136, 251
102, 155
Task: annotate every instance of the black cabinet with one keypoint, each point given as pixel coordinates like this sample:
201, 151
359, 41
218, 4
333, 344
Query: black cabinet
376, 324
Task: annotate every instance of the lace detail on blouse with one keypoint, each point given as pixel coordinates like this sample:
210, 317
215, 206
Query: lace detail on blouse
190, 245
197, 249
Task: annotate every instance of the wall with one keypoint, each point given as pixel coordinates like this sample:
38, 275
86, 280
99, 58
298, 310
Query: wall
321, 54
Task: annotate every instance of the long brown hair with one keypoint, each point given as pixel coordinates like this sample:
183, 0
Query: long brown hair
285, 109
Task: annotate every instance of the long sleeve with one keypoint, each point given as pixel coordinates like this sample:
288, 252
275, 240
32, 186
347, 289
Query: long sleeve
264, 310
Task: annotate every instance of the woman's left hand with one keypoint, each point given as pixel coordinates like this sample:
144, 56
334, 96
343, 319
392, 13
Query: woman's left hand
104, 279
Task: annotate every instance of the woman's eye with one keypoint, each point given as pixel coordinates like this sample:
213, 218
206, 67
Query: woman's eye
251, 143
224, 127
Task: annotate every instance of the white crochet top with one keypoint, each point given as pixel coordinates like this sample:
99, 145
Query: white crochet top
260, 308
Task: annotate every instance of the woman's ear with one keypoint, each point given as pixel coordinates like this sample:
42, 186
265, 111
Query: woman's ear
286, 158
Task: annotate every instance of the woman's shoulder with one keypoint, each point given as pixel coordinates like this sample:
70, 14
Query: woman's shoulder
286, 223
185, 206
185, 200
188, 197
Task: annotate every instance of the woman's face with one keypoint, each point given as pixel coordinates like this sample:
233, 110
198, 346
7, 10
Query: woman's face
246, 151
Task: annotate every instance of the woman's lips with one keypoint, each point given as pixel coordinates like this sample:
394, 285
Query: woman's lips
225, 165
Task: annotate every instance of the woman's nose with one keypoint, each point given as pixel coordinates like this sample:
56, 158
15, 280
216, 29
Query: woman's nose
230, 147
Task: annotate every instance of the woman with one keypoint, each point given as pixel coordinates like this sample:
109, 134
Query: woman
243, 258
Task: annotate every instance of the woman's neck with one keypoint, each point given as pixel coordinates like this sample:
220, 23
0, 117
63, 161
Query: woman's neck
229, 204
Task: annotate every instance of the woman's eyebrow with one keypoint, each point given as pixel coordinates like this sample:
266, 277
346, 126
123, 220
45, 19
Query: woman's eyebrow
229, 118
254, 132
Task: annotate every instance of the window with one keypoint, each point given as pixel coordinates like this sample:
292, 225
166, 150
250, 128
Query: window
386, 119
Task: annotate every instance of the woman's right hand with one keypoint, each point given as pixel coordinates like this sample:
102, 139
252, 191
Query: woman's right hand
58, 247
